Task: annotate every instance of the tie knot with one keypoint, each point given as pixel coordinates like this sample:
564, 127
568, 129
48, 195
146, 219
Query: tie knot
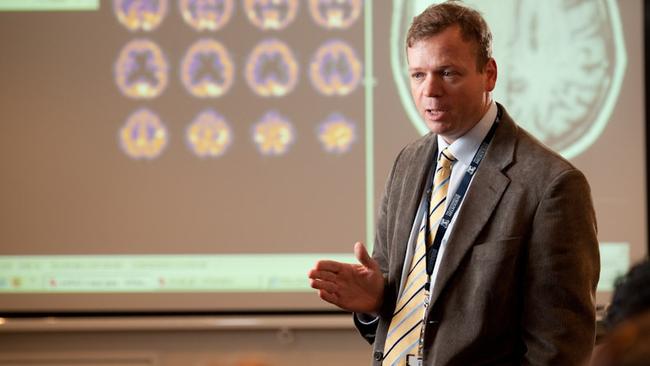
446, 158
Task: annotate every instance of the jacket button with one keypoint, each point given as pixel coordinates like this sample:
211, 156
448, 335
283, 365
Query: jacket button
378, 356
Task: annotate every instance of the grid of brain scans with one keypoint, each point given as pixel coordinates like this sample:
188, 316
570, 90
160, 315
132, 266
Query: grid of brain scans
278, 56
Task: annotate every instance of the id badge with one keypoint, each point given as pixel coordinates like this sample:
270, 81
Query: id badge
413, 360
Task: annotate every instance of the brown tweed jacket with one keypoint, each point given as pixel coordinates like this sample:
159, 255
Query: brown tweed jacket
516, 285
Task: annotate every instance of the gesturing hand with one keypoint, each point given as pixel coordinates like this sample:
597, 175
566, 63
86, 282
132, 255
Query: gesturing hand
353, 287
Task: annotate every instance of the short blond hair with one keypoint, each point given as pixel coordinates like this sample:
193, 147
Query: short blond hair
438, 17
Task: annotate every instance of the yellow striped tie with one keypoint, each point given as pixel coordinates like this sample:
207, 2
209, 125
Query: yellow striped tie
405, 326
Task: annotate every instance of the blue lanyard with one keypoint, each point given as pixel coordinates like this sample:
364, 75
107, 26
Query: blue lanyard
434, 248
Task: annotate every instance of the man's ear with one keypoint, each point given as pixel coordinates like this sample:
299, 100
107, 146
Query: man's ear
491, 74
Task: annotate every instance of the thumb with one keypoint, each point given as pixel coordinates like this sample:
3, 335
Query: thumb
363, 257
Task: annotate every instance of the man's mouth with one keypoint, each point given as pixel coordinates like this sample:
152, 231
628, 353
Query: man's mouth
435, 114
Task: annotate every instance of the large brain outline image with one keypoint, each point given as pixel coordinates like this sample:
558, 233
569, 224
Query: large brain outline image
271, 14
143, 136
561, 65
207, 70
335, 69
335, 14
272, 69
141, 70
209, 15
137, 15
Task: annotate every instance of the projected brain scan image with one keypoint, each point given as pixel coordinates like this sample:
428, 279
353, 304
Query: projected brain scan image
141, 70
143, 135
137, 15
271, 69
561, 65
210, 15
209, 135
336, 134
335, 14
271, 14
335, 69
207, 70
273, 134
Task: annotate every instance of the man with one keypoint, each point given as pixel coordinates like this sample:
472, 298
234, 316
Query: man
628, 344
627, 341
501, 273
631, 295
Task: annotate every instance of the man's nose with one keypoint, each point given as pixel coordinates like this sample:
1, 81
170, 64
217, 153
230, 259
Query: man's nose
433, 87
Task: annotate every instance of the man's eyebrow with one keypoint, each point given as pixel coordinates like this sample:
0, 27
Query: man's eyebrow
436, 68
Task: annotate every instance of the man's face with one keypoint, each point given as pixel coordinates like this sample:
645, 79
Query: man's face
449, 92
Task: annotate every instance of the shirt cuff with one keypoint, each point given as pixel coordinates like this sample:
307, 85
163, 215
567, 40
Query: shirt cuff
366, 319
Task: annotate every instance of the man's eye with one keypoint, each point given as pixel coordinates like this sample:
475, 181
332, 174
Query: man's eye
417, 75
448, 73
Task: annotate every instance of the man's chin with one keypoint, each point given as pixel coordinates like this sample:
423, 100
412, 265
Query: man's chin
444, 130
438, 127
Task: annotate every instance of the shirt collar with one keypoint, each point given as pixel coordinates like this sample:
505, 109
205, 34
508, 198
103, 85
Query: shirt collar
466, 146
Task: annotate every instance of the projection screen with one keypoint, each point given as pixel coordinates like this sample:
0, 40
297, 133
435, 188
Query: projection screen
200, 156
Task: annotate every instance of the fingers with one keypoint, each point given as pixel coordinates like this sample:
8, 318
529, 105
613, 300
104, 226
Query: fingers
363, 257
324, 280
352, 287
322, 275
335, 267
326, 265
323, 285
329, 297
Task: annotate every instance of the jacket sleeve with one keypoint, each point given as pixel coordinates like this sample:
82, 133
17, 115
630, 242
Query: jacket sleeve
562, 270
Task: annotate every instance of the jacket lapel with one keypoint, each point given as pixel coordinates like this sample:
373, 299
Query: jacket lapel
411, 194
484, 194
